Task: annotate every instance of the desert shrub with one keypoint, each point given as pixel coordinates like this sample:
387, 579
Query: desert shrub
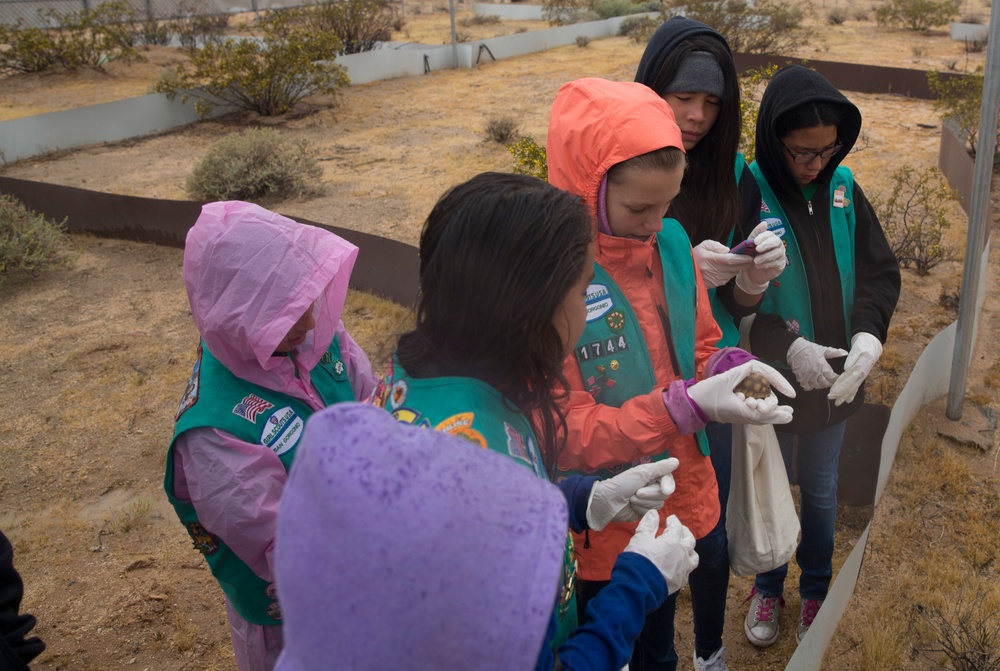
194, 28
960, 99
971, 18
967, 631
918, 15
582, 41
82, 40
529, 158
752, 83
152, 32
502, 130
837, 16
562, 12
28, 241
755, 27
267, 76
255, 165
975, 46
914, 216
359, 25
639, 28
479, 20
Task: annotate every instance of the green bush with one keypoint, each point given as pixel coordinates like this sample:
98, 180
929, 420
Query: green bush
529, 158
914, 217
960, 99
359, 25
28, 241
83, 39
255, 165
752, 83
759, 27
639, 28
918, 15
289, 63
480, 20
194, 28
563, 12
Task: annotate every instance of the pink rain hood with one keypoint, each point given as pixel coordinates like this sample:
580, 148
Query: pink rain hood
250, 274
596, 123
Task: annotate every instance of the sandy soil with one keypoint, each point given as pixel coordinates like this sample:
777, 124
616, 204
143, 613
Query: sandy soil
96, 355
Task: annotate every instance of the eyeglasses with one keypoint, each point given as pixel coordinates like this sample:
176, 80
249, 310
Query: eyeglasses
809, 156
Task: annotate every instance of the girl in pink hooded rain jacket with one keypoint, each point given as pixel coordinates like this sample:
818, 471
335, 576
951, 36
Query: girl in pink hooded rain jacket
266, 294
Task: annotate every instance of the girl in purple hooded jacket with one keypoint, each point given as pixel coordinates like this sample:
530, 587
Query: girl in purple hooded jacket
266, 294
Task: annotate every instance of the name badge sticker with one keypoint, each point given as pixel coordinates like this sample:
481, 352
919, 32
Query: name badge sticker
599, 302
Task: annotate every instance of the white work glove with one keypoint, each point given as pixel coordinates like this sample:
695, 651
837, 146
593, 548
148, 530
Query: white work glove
715, 397
809, 363
631, 494
672, 552
865, 351
717, 264
767, 263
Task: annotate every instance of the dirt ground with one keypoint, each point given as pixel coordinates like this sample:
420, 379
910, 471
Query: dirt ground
95, 356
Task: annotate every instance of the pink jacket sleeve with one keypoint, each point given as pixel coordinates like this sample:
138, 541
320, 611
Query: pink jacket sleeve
359, 368
235, 487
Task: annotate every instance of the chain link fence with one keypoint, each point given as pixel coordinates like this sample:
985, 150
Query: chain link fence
39, 13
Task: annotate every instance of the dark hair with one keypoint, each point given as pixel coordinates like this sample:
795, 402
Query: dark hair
712, 207
498, 255
809, 115
664, 158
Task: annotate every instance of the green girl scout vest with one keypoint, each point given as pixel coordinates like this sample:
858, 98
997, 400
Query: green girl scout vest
612, 354
730, 332
788, 296
473, 410
216, 398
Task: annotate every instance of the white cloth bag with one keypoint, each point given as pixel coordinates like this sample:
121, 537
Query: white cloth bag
761, 523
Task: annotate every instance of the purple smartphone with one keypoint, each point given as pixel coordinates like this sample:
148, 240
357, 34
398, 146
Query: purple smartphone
746, 247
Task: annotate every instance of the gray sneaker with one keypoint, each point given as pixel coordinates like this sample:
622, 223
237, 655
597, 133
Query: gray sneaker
715, 661
761, 623
809, 609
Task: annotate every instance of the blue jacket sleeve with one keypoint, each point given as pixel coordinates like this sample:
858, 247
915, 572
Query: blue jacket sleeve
576, 489
614, 619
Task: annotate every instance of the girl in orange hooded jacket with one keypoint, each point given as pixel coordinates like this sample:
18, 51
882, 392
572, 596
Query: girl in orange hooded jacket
645, 377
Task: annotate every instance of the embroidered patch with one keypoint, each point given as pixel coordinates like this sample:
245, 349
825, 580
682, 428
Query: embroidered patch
599, 301
775, 225
190, 396
793, 326
326, 358
339, 369
764, 207
461, 425
400, 390
839, 197
616, 321
409, 416
614, 364
282, 430
250, 407
204, 542
599, 348
516, 446
273, 608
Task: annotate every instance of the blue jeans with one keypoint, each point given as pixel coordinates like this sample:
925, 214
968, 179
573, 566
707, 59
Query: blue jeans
816, 473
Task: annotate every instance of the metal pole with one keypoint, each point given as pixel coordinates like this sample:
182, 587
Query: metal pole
979, 229
454, 36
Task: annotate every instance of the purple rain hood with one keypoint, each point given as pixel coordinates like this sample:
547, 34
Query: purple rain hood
400, 547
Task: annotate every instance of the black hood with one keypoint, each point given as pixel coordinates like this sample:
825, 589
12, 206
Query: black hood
791, 87
664, 40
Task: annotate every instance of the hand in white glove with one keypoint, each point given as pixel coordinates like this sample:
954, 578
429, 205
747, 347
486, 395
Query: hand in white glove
809, 363
631, 494
715, 397
716, 264
865, 351
768, 262
672, 552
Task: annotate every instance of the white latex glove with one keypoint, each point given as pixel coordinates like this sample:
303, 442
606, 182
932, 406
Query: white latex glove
716, 398
631, 494
672, 552
716, 264
768, 262
809, 363
865, 351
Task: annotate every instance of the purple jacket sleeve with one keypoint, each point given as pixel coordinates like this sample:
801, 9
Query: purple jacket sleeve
614, 619
235, 487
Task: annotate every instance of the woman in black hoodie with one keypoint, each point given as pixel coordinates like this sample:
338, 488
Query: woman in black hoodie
839, 291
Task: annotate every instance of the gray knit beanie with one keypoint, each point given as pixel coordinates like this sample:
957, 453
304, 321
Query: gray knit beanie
699, 72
